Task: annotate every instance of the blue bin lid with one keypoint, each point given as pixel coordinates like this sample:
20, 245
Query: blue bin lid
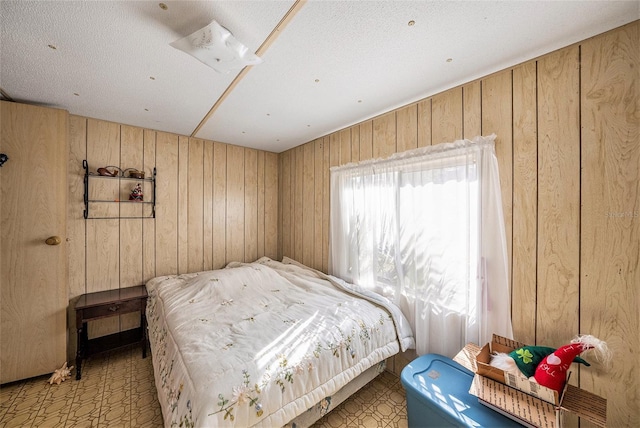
440, 382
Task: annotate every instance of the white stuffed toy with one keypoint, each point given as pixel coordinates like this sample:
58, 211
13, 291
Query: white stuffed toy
61, 374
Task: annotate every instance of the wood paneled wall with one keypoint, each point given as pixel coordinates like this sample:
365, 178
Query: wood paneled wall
568, 149
215, 203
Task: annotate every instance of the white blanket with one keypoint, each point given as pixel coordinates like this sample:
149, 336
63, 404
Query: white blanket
259, 343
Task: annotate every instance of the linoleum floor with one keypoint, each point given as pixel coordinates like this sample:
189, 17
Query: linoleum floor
117, 390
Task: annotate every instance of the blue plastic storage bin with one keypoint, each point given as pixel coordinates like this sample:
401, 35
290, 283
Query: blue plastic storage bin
438, 396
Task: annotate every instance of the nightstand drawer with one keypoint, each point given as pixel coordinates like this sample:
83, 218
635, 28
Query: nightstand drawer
111, 309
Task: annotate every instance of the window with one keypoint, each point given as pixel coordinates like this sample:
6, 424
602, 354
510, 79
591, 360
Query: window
418, 229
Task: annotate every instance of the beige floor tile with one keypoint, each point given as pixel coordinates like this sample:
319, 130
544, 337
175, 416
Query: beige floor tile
155, 423
337, 418
8, 394
369, 419
82, 423
384, 410
65, 389
9, 391
119, 416
19, 419
60, 405
28, 404
52, 420
353, 408
150, 416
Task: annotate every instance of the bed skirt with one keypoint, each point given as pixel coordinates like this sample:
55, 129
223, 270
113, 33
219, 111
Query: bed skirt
315, 413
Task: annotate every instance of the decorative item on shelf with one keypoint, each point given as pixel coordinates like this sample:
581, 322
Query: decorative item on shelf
134, 173
136, 193
109, 171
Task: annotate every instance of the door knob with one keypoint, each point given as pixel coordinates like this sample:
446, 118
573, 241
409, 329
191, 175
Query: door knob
53, 240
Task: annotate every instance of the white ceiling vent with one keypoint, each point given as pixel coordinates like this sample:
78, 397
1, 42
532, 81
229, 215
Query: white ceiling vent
216, 47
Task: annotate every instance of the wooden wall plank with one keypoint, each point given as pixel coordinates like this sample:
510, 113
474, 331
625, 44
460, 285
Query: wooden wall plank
334, 160
319, 200
103, 258
261, 203
497, 100
149, 224
131, 156
99, 156
525, 203
103, 267
219, 205
195, 209
345, 146
183, 204
471, 110
446, 116
287, 196
207, 204
235, 204
271, 186
384, 135
407, 128
294, 199
250, 205
325, 200
355, 143
292, 190
298, 204
366, 140
424, 123
610, 216
167, 204
558, 197
280, 204
308, 201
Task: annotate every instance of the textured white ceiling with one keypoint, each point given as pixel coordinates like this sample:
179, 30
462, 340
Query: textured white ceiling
365, 56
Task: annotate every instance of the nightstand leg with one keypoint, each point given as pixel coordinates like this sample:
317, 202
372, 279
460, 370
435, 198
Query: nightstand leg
143, 323
81, 348
83, 339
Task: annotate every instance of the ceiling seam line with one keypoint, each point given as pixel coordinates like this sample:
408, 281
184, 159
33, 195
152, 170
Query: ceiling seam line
263, 48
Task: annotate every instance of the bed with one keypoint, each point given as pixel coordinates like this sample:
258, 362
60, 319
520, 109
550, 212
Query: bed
264, 343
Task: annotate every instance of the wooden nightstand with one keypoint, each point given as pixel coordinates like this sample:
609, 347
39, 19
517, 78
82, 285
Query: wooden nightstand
104, 304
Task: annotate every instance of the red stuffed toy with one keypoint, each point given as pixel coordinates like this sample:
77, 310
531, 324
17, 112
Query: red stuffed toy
548, 366
552, 370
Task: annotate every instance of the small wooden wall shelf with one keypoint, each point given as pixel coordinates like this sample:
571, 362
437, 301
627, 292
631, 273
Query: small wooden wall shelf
88, 202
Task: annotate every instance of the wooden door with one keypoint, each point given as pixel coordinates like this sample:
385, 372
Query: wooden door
33, 277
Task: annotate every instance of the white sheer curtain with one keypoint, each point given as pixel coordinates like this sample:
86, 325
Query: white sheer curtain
425, 228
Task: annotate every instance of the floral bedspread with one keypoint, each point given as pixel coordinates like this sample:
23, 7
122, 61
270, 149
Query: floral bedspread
259, 343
